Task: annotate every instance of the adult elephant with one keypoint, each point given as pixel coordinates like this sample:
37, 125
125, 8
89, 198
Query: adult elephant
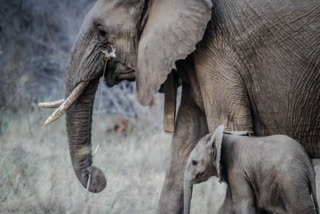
250, 65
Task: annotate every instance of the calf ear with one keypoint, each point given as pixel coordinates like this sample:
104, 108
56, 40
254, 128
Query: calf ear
214, 145
172, 30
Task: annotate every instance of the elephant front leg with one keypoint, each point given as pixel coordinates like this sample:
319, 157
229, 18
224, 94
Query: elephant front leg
226, 207
190, 126
242, 196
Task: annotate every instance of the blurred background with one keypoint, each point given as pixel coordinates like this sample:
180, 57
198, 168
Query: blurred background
36, 175
36, 38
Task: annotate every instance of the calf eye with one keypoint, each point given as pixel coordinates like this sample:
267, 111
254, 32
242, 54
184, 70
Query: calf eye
194, 162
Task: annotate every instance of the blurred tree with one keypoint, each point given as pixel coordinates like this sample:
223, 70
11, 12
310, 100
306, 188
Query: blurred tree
35, 38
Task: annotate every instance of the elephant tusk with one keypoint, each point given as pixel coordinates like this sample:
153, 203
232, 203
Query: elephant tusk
63, 105
76, 93
53, 104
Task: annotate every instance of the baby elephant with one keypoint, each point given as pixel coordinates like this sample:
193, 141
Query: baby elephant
264, 174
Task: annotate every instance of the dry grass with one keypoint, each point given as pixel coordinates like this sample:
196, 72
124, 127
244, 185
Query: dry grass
36, 174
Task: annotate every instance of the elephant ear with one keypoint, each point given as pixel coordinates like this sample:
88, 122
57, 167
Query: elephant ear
171, 33
215, 144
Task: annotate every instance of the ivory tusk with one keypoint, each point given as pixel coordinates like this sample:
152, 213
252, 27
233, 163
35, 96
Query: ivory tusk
76, 93
53, 104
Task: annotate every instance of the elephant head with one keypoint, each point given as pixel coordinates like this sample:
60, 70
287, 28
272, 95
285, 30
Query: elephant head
203, 162
148, 37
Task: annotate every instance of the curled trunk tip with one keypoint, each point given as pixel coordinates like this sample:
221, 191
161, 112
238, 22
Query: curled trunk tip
96, 181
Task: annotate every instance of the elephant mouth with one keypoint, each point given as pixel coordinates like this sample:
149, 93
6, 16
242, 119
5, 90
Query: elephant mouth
201, 177
113, 73
116, 71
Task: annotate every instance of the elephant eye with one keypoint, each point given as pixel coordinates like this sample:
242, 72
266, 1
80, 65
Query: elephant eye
102, 34
194, 162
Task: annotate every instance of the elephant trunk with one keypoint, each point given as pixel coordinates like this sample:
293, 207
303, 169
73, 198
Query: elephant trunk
79, 120
187, 194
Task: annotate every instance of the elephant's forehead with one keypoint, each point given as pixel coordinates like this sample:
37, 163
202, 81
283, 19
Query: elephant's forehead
200, 148
113, 15
110, 9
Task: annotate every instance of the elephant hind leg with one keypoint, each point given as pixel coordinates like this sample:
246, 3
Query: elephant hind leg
190, 126
301, 208
299, 201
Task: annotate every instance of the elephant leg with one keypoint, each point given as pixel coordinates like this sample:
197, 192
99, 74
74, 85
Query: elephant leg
226, 207
190, 126
242, 197
298, 200
303, 207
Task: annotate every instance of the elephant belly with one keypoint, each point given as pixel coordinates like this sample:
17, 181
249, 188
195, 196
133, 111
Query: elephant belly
279, 63
282, 80
263, 75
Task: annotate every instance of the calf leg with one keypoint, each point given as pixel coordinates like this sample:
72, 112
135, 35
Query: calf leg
242, 197
226, 207
299, 201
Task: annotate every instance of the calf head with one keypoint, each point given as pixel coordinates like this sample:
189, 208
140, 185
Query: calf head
203, 162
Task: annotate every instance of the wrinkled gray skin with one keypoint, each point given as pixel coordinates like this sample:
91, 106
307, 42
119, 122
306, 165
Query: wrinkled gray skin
270, 174
250, 65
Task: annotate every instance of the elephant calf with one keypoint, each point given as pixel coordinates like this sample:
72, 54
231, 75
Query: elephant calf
264, 174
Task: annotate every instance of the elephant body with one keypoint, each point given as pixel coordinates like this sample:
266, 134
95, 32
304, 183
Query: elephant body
270, 174
250, 65
253, 72
262, 73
